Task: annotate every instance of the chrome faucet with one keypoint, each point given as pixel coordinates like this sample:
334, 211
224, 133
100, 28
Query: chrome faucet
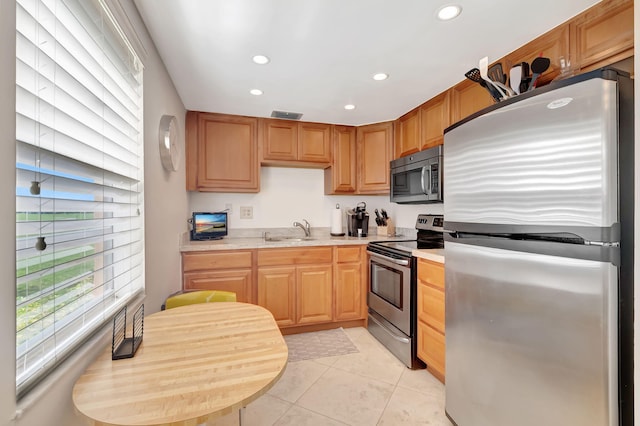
306, 227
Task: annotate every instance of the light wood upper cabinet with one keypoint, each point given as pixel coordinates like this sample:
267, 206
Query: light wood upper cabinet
374, 147
340, 178
407, 134
423, 127
314, 142
435, 116
552, 44
603, 34
279, 140
468, 97
222, 153
294, 143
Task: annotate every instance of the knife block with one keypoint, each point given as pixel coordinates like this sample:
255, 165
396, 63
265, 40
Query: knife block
388, 230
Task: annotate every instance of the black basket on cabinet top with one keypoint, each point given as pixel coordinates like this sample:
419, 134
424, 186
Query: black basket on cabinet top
121, 345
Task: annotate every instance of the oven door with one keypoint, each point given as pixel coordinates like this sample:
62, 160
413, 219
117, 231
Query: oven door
390, 290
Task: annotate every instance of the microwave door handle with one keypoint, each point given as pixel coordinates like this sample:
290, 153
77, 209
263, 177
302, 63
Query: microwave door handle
422, 175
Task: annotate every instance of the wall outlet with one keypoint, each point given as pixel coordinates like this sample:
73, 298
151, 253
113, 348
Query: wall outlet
229, 208
246, 212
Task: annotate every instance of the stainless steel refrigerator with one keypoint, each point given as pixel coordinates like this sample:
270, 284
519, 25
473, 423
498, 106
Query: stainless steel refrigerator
538, 215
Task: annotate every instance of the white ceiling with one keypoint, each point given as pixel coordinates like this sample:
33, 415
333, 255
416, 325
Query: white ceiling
324, 52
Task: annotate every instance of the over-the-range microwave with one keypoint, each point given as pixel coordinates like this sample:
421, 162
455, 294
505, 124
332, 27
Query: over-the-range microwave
417, 178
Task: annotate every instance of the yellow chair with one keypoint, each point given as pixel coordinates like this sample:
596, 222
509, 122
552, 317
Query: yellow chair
199, 296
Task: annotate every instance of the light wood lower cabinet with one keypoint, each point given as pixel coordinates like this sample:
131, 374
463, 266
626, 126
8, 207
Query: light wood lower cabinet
277, 293
302, 286
221, 270
349, 283
314, 294
295, 284
431, 317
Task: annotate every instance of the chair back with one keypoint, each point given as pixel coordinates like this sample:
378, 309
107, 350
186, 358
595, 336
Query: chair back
199, 296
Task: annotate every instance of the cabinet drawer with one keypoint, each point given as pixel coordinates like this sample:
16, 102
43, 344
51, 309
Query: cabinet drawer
431, 273
294, 256
235, 280
348, 254
431, 306
216, 260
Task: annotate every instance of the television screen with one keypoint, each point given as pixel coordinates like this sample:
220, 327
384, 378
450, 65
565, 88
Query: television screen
209, 225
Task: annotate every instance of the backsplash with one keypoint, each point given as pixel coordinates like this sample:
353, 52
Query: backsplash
293, 194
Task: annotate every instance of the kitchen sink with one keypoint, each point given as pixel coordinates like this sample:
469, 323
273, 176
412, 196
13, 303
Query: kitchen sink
274, 238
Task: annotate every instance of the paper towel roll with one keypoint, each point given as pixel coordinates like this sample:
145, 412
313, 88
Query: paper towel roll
336, 221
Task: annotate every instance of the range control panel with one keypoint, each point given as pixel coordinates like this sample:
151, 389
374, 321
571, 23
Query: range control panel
432, 222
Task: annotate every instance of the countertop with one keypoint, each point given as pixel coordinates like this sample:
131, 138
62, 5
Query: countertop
435, 255
323, 239
317, 239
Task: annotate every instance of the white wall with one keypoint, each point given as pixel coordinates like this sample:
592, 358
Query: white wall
289, 194
166, 206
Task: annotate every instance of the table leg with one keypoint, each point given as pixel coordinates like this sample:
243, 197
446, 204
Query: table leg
241, 415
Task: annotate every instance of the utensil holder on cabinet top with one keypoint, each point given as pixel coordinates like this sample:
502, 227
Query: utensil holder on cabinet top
388, 230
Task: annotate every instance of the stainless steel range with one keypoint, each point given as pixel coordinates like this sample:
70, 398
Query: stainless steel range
392, 288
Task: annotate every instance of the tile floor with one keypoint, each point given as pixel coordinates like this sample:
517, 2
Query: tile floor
368, 388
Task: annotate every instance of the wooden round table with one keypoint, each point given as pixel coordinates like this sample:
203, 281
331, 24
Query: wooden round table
195, 363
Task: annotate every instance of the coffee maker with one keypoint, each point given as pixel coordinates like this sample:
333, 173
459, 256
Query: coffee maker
358, 221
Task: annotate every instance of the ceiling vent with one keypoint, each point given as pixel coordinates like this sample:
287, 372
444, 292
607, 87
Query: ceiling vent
286, 115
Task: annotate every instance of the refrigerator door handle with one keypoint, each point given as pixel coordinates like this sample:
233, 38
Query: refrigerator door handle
601, 243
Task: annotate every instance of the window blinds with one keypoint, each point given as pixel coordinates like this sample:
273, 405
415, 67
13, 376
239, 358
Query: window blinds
79, 227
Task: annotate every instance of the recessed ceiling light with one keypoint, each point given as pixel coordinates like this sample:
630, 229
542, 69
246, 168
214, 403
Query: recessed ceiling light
380, 76
349, 106
448, 12
261, 59
256, 92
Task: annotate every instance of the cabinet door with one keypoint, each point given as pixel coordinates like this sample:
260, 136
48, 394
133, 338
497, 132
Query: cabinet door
431, 349
468, 97
226, 153
431, 306
277, 293
552, 45
237, 281
603, 35
314, 294
341, 176
374, 145
279, 140
407, 137
348, 291
314, 142
434, 118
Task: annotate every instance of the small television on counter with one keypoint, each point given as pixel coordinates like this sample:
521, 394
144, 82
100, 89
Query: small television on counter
208, 226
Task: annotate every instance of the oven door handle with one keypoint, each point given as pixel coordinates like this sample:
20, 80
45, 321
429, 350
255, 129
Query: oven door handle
422, 185
391, 333
389, 259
